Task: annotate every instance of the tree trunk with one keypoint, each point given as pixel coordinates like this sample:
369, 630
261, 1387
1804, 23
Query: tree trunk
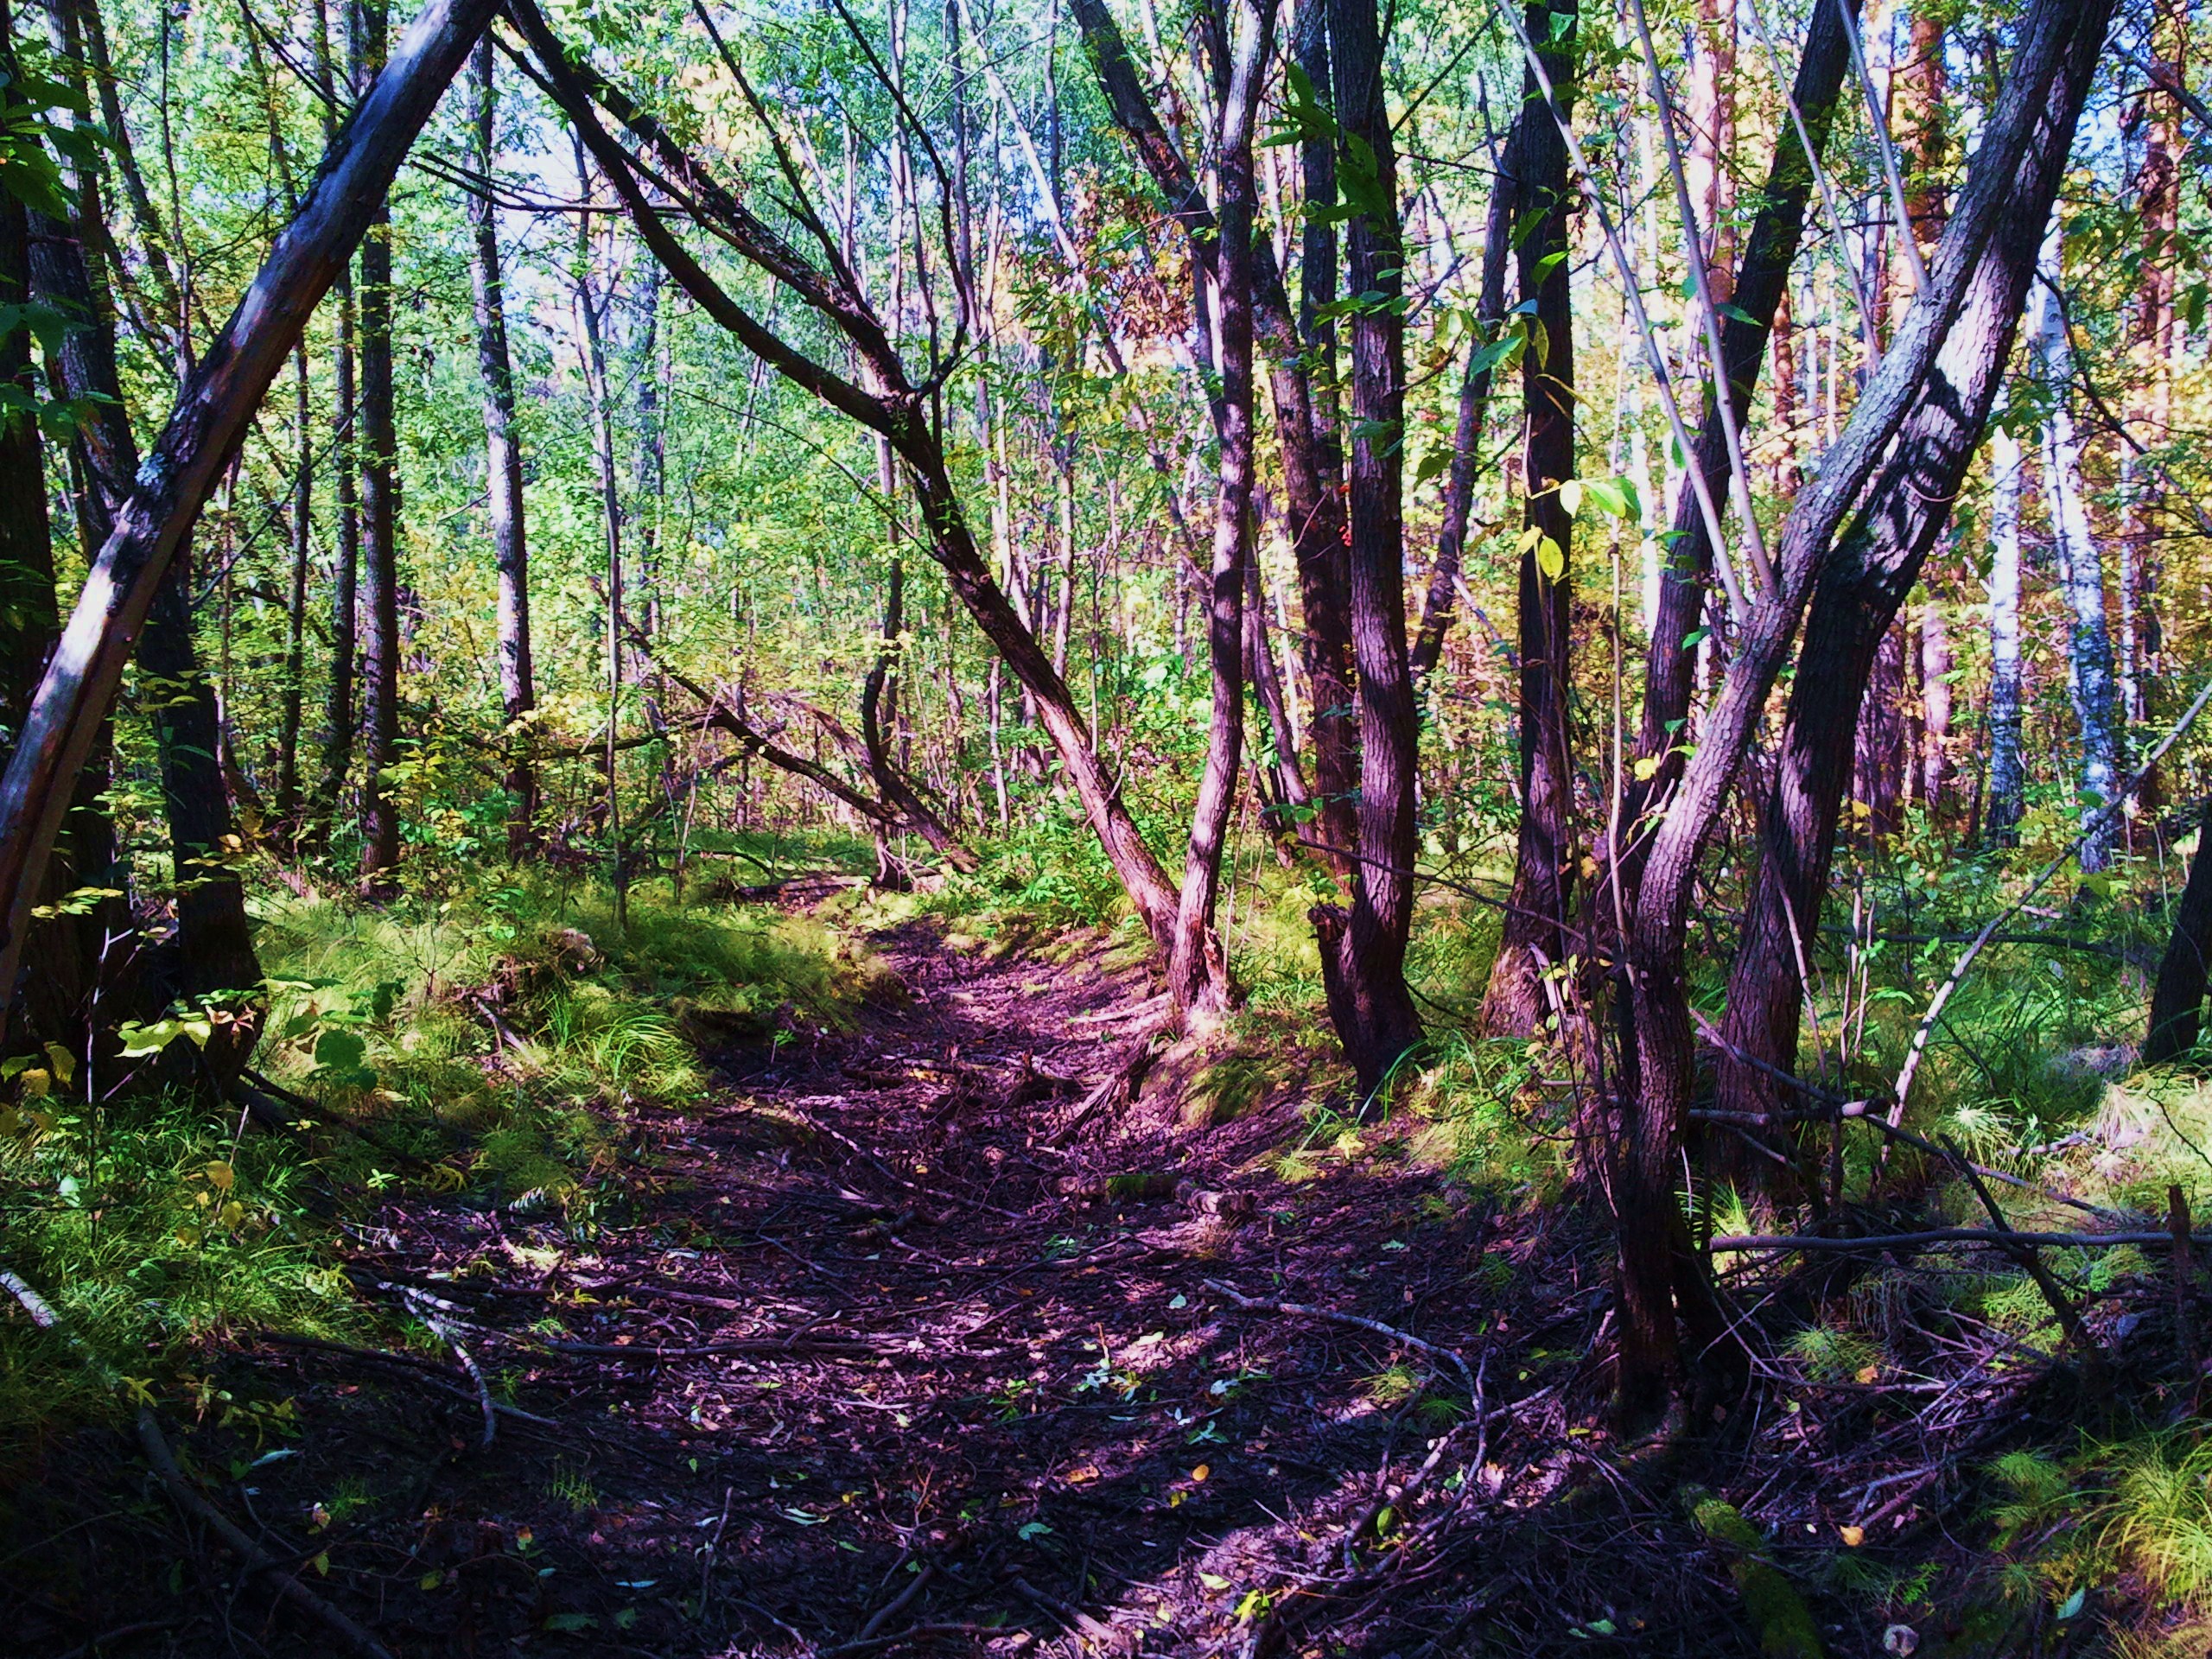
1310, 429
2178, 994
1474, 405
1861, 586
1364, 951
1530, 939
1686, 560
1199, 975
379, 512
292, 694
502, 476
203, 433
213, 937
2007, 774
1659, 1268
2090, 677
611, 518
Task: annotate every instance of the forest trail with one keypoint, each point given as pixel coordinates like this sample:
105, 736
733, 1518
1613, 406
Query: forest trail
871, 1365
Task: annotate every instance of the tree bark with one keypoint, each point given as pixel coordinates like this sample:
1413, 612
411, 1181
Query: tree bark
201, 435
2090, 679
379, 510
2178, 994
1363, 947
1531, 938
1199, 974
1685, 562
2007, 774
1657, 1263
1861, 586
503, 475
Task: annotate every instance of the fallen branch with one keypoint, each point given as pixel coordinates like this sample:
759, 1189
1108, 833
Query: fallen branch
1307, 1310
181, 1490
1935, 1236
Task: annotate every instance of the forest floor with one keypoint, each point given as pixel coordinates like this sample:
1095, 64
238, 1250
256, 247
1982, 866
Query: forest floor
922, 1339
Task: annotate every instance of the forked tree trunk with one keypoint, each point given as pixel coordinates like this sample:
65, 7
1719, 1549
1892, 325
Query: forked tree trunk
503, 473
1686, 560
1862, 585
1531, 938
1363, 946
1659, 1268
212, 412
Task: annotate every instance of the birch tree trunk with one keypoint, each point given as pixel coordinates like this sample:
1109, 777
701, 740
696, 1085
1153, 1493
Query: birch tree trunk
2007, 775
2091, 682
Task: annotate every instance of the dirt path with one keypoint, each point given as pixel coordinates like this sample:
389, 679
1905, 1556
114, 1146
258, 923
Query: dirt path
864, 1362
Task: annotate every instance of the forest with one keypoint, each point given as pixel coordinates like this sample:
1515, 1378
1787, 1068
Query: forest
1265, 829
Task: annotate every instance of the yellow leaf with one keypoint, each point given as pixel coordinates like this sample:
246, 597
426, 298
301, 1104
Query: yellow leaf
1870, 1373
188, 1237
35, 1082
231, 1214
322, 1564
1853, 1537
63, 1062
1646, 769
221, 1176
430, 1580
1081, 1473
1213, 1581
1201, 1472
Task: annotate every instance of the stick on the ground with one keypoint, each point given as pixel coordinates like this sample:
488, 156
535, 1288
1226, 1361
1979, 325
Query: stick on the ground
1935, 1236
2069, 1317
158, 1453
1307, 1310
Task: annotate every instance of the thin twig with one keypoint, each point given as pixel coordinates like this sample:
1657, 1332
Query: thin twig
1307, 1310
181, 1490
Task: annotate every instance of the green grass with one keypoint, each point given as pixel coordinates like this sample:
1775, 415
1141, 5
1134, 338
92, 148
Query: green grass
157, 1229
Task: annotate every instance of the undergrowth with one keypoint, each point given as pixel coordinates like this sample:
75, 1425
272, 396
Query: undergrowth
480, 1048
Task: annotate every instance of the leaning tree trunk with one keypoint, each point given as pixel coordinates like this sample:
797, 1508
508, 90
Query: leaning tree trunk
893, 406
1759, 286
1659, 1268
212, 413
1364, 948
502, 474
1861, 586
2178, 994
1531, 939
